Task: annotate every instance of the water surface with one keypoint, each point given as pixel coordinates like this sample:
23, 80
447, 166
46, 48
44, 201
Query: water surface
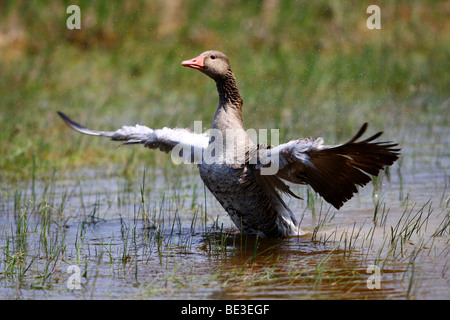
163, 236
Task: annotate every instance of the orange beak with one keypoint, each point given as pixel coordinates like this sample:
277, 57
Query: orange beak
196, 63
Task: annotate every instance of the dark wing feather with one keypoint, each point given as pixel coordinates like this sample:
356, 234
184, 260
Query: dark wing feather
335, 171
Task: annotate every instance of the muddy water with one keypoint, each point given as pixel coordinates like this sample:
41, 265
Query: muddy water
164, 236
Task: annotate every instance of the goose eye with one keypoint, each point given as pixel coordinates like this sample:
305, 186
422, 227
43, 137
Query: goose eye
213, 57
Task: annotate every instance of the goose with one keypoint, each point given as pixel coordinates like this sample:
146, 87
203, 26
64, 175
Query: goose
242, 183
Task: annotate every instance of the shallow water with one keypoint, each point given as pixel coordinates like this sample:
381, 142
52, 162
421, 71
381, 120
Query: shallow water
166, 237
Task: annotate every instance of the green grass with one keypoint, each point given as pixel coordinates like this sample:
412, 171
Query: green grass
131, 219
155, 240
306, 69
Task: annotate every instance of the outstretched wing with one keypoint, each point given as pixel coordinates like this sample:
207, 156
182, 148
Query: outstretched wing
332, 171
165, 139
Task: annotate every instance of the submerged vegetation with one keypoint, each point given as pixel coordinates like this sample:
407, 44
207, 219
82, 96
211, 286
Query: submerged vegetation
134, 225
155, 238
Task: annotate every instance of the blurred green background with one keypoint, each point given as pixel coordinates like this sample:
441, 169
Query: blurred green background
308, 68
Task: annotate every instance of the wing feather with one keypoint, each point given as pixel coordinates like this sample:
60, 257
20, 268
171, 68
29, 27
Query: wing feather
332, 171
164, 139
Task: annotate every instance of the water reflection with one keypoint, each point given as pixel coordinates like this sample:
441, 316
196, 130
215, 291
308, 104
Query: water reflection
170, 239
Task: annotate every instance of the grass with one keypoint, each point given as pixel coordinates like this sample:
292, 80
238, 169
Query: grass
138, 226
163, 246
306, 69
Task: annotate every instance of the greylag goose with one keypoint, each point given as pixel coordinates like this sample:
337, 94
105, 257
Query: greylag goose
244, 183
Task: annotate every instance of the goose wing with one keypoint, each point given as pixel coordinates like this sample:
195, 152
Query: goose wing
332, 171
165, 139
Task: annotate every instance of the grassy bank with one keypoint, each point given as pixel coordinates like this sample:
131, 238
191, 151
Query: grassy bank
304, 68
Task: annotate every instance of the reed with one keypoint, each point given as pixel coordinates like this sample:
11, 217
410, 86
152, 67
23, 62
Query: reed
301, 69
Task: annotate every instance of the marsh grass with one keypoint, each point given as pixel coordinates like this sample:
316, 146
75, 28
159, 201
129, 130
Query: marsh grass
168, 245
163, 236
308, 70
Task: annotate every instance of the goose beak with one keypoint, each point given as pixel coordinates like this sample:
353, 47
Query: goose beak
196, 63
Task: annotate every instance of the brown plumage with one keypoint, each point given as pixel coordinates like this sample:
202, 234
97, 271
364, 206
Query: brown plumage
337, 170
251, 196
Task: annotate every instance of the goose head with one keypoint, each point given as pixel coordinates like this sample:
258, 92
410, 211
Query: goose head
213, 63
